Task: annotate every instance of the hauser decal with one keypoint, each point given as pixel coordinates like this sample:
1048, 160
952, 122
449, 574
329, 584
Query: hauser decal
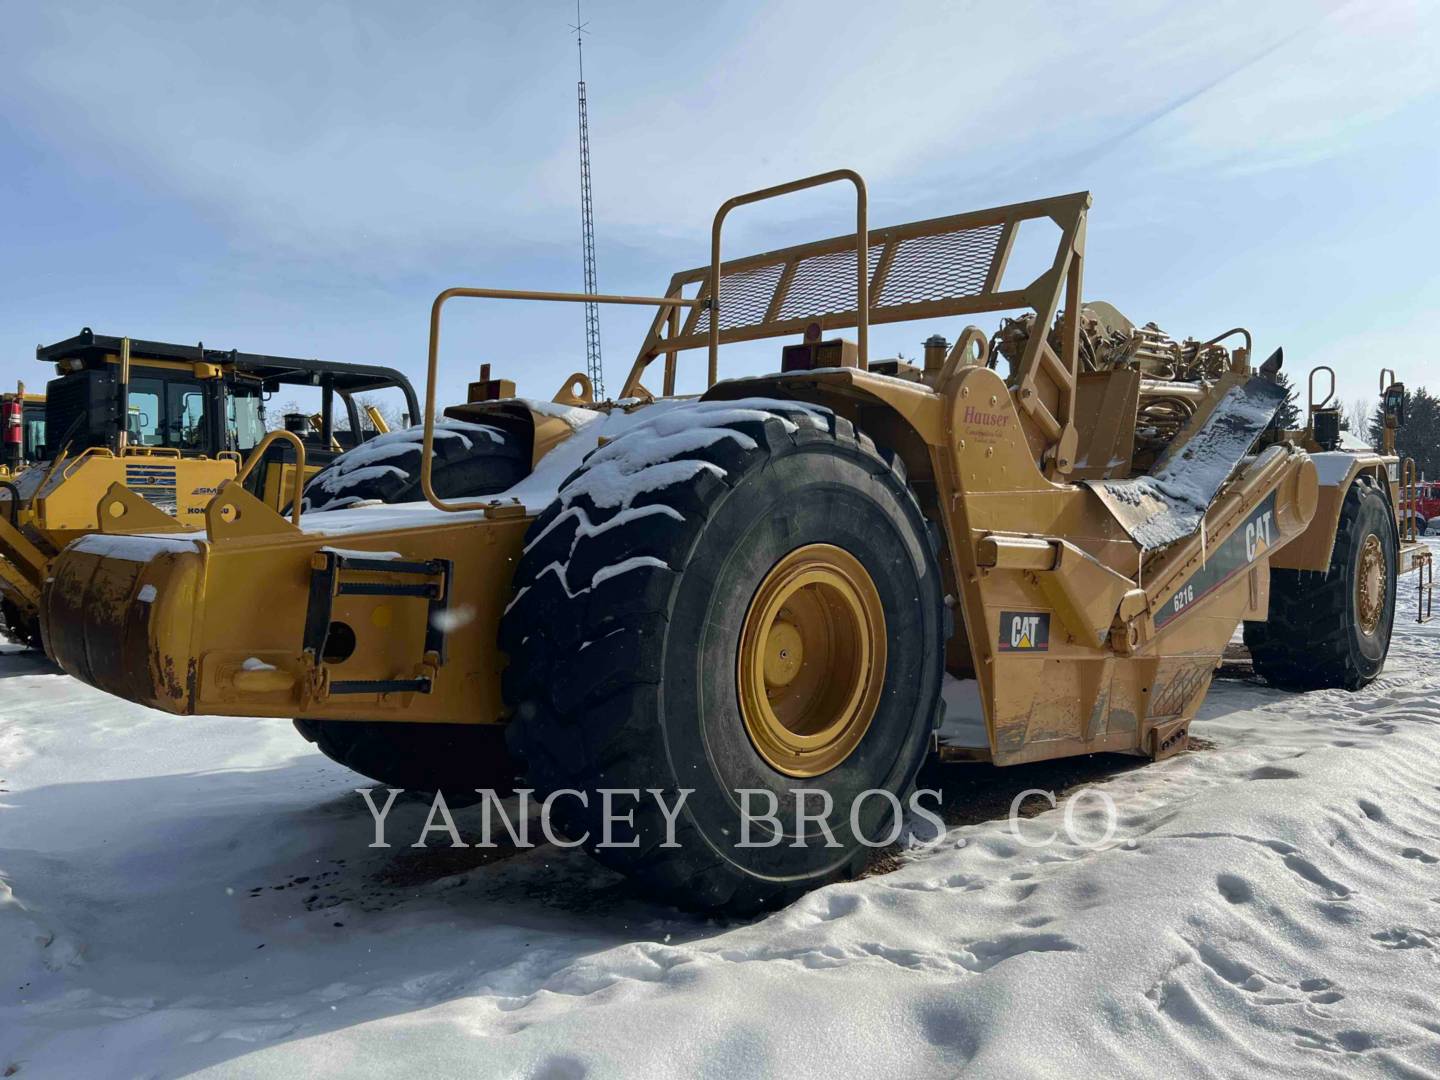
1241, 548
985, 427
981, 418
1024, 631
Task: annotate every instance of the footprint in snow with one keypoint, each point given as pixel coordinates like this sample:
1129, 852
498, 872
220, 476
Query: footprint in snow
1371, 810
1273, 772
1349, 1041
1403, 938
1417, 854
1234, 888
1321, 991
1339, 912
826, 908
955, 881
1007, 946
1313, 874
1233, 972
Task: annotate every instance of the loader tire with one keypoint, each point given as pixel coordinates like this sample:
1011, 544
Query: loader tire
470, 460
1333, 629
452, 758
19, 628
640, 649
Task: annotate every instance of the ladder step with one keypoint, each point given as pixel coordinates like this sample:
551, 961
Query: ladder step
387, 566
429, 590
380, 686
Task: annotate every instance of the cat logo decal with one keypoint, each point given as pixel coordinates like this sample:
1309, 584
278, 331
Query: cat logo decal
1024, 631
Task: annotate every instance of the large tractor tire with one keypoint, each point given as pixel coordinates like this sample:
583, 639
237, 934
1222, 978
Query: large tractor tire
453, 758
731, 596
470, 460
1333, 629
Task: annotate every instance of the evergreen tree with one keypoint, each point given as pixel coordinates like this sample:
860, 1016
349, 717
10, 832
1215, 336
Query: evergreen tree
1288, 418
1419, 438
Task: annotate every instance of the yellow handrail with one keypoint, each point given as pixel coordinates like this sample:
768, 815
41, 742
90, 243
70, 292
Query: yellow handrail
499, 294
259, 452
89, 451
862, 256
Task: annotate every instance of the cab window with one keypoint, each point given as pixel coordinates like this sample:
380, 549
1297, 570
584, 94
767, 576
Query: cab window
244, 424
146, 422
33, 432
168, 412
185, 416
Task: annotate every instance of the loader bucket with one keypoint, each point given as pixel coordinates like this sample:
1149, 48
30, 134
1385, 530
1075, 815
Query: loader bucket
108, 599
381, 628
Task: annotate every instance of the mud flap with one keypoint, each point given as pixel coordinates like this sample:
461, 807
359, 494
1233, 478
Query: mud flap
1168, 504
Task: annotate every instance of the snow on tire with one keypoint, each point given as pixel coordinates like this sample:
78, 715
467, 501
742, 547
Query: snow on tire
470, 459
623, 631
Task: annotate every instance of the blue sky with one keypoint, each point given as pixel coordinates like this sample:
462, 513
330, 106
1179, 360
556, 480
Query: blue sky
302, 178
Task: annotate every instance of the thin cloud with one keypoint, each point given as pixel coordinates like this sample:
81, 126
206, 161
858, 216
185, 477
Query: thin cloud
361, 133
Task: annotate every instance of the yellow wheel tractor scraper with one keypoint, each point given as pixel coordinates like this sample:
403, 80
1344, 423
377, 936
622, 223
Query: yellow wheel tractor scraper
804, 581
138, 436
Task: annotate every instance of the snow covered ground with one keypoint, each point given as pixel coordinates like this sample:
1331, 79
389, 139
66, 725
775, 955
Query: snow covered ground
197, 895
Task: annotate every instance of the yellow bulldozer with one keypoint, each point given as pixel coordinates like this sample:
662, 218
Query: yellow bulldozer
790, 588
168, 423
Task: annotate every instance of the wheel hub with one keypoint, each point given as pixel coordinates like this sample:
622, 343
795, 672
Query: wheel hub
1370, 585
811, 661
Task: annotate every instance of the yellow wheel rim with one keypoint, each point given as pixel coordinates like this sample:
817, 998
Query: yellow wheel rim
811, 661
1370, 585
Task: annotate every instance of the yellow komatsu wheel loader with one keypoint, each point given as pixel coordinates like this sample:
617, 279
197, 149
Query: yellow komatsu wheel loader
791, 588
164, 426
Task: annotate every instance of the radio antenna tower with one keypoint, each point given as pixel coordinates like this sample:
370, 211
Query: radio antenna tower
587, 226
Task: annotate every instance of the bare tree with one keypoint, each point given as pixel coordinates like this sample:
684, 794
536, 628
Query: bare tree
392, 413
1359, 415
275, 413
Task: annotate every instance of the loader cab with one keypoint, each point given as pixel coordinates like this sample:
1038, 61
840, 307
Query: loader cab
172, 398
32, 415
22, 429
195, 402
199, 401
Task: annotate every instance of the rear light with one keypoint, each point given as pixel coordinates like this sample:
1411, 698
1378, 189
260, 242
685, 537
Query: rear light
812, 353
488, 389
